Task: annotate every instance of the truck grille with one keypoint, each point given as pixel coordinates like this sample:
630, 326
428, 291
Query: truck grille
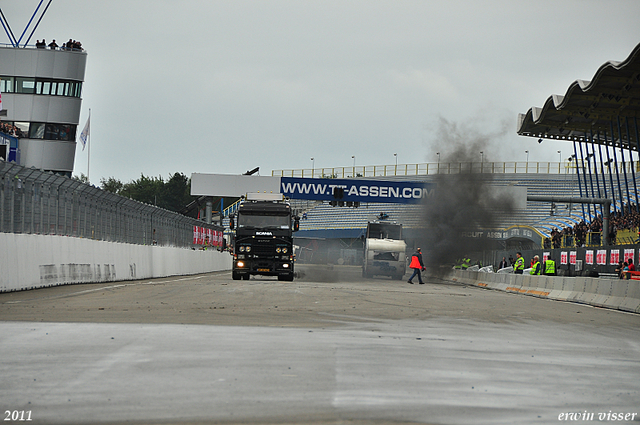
263, 249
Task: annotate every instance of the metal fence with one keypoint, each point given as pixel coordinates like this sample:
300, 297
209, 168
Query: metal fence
566, 167
37, 202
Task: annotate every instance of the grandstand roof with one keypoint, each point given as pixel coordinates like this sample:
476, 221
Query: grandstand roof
589, 108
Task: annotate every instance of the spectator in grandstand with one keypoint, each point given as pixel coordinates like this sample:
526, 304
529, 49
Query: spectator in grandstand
53, 45
632, 268
41, 44
625, 271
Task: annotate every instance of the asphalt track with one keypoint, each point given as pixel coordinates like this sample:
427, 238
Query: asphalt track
328, 348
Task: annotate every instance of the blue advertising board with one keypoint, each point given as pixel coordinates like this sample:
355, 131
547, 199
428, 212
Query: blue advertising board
356, 190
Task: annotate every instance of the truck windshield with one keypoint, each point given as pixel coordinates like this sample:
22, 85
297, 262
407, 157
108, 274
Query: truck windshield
264, 221
384, 231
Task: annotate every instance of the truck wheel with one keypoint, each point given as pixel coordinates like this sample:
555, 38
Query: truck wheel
246, 276
235, 276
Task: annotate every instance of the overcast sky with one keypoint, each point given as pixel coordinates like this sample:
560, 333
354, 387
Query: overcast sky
225, 86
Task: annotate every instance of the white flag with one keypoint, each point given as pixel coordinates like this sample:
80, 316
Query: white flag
85, 133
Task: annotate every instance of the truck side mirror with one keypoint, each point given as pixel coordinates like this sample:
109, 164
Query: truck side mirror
296, 223
231, 222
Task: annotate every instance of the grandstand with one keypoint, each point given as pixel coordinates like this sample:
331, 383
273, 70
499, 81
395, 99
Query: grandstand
324, 221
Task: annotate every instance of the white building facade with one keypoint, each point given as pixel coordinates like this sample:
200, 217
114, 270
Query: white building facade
41, 100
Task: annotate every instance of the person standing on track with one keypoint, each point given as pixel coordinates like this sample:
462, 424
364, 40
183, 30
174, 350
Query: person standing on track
417, 265
518, 267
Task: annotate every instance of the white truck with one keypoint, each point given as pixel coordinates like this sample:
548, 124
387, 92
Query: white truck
384, 250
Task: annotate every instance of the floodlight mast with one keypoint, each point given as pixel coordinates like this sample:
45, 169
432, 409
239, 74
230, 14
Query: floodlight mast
602, 201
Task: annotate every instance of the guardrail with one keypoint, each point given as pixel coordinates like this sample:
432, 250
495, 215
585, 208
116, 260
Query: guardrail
566, 167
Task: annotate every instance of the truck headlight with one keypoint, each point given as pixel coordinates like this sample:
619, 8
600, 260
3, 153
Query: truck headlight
241, 249
278, 250
284, 250
248, 249
240, 263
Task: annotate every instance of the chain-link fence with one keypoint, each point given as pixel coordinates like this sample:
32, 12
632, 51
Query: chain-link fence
37, 202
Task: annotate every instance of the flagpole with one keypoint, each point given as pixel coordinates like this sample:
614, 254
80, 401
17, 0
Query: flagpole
89, 151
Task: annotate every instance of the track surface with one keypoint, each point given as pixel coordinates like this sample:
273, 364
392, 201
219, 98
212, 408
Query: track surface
328, 348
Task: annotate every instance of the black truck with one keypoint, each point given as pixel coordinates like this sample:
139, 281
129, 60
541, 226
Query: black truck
263, 242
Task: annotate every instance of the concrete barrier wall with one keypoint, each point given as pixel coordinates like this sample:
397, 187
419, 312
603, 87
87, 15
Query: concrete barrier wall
36, 261
609, 293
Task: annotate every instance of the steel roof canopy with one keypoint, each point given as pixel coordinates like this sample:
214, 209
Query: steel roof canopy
592, 109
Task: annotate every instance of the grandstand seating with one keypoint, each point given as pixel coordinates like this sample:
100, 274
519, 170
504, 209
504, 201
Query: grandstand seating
323, 217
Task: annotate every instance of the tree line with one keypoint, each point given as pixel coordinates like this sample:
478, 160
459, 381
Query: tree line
173, 194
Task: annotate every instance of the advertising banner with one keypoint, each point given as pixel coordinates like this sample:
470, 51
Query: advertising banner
629, 254
615, 257
208, 237
588, 257
356, 190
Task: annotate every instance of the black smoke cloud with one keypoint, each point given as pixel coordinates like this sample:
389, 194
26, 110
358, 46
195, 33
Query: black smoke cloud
464, 199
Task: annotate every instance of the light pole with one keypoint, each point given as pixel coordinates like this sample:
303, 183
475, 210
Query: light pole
313, 165
438, 153
559, 156
395, 171
438, 169
527, 152
481, 160
354, 165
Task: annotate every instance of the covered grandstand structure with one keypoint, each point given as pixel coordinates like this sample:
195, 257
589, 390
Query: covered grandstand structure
600, 117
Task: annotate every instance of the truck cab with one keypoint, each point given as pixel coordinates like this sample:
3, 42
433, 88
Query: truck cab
263, 242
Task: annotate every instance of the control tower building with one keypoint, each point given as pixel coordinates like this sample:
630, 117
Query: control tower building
41, 100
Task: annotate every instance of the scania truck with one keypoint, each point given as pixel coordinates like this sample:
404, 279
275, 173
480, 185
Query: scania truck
384, 250
263, 242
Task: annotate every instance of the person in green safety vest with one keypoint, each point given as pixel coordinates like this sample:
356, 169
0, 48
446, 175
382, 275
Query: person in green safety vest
549, 267
535, 268
466, 263
518, 267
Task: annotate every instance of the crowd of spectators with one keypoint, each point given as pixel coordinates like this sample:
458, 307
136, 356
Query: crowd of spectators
11, 130
69, 45
626, 219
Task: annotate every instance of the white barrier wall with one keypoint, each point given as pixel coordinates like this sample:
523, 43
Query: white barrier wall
36, 261
610, 293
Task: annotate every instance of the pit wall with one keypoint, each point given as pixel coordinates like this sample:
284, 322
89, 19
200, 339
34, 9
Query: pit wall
38, 261
601, 292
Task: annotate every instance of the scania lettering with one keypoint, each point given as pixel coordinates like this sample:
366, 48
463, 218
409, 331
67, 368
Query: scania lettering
263, 243
384, 250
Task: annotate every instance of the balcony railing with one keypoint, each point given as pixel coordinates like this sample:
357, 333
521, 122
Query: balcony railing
566, 167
